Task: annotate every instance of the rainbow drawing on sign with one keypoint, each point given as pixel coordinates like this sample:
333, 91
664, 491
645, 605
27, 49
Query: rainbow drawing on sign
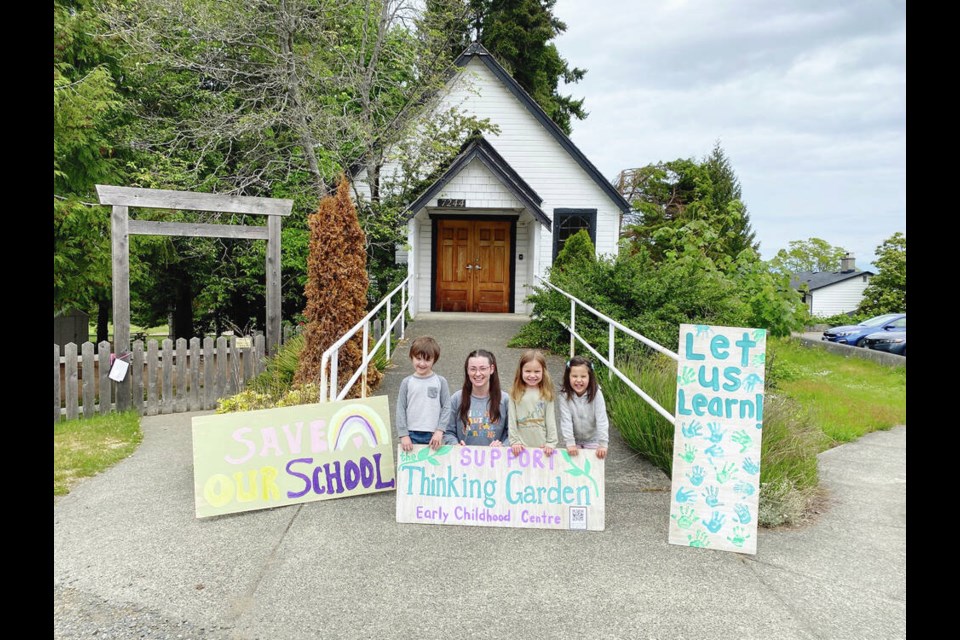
358, 423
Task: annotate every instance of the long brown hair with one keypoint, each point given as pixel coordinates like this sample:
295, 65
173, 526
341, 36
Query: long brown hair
519, 386
468, 387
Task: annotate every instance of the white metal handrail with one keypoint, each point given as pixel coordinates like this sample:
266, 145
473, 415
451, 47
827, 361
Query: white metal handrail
331, 356
612, 325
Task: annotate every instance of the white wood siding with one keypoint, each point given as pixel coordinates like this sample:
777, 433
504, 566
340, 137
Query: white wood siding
480, 188
533, 152
840, 297
523, 268
537, 157
423, 275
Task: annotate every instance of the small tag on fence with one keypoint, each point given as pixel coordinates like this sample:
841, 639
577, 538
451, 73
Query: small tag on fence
119, 370
244, 343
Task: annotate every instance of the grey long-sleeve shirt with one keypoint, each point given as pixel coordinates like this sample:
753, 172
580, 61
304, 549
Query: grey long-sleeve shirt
423, 404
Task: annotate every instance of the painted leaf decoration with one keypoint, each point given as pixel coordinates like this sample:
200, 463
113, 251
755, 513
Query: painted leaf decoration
575, 472
444, 450
423, 453
566, 455
433, 461
586, 467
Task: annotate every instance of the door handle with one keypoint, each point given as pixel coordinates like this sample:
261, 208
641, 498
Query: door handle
469, 266
477, 267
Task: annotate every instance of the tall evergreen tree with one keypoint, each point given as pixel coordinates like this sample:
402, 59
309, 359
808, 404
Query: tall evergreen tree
684, 204
726, 205
88, 107
519, 34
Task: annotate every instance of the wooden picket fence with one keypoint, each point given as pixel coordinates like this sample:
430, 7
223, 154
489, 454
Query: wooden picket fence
164, 378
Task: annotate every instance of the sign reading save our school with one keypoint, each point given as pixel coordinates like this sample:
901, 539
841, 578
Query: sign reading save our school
490, 487
716, 443
276, 457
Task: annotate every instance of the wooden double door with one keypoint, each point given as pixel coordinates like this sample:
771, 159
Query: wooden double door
473, 260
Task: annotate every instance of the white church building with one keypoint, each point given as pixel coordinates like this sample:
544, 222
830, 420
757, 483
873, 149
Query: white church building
502, 209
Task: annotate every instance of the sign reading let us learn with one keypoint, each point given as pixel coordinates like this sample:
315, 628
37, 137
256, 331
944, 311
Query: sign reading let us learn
718, 426
275, 457
490, 487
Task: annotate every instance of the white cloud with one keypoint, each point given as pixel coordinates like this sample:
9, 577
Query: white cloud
808, 100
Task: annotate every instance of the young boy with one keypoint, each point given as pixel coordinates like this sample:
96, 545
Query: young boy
423, 403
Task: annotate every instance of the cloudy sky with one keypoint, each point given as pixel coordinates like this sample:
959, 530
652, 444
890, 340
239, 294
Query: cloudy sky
807, 99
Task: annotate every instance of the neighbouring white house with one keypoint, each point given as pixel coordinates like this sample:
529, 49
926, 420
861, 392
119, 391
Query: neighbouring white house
828, 293
503, 207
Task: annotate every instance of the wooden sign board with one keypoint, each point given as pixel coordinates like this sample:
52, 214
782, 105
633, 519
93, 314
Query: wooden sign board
716, 443
490, 487
289, 455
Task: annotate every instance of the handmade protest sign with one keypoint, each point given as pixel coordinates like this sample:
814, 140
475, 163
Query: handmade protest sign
490, 487
275, 457
716, 442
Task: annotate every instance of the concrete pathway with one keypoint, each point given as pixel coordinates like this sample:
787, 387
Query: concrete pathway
132, 561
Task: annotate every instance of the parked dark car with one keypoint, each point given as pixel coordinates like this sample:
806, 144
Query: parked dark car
889, 341
854, 334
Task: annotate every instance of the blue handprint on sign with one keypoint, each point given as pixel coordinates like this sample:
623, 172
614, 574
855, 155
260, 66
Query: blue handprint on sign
751, 381
703, 329
745, 488
716, 433
711, 496
696, 476
715, 451
686, 496
743, 513
691, 430
750, 466
715, 522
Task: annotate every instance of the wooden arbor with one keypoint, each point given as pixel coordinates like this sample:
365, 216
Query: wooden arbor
122, 198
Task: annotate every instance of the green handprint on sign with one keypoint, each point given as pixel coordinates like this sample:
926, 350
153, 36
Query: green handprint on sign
689, 453
728, 471
575, 471
738, 538
700, 540
742, 439
759, 358
759, 334
689, 375
686, 518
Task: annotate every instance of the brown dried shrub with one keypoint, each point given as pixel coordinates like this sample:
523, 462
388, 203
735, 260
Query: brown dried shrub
336, 289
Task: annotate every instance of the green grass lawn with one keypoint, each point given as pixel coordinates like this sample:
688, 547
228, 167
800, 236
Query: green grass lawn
86, 447
814, 400
845, 397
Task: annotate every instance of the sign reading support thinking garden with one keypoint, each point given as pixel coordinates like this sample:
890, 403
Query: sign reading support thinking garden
275, 457
490, 487
716, 441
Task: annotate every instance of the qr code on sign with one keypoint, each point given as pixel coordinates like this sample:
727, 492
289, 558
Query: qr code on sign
578, 517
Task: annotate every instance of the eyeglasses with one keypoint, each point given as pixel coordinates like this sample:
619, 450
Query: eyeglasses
473, 370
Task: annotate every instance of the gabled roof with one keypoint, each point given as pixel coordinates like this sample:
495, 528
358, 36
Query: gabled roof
478, 148
477, 50
820, 279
